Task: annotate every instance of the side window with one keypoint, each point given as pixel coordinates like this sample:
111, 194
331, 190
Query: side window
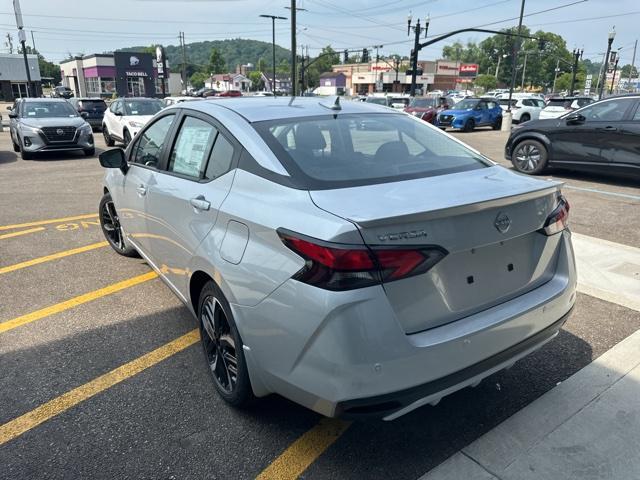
636, 116
482, 106
528, 103
149, 145
113, 106
540, 103
191, 150
220, 158
610, 111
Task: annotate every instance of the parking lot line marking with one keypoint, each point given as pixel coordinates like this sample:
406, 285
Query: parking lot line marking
305, 450
21, 232
47, 222
64, 402
604, 192
53, 256
75, 301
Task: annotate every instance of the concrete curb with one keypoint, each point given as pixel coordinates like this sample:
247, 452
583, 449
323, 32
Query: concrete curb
512, 448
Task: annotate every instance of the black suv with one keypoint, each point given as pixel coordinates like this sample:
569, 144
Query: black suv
61, 92
93, 108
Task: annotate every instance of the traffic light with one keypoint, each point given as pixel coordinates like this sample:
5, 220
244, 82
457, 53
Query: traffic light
346, 56
365, 55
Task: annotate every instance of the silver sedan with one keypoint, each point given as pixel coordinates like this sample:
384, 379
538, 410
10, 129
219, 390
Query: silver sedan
353, 259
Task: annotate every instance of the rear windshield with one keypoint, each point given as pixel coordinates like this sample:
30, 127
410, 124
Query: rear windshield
423, 102
583, 102
92, 104
467, 104
377, 100
361, 149
48, 109
559, 102
142, 107
505, 102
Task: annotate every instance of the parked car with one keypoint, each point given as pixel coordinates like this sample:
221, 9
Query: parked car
168, 101
603, 136
355, 271
48, 124
126, 116
523, 109
427, 108
61, 92
558, 106
94, 109
230, 93
397, 101
205, 92
471, 113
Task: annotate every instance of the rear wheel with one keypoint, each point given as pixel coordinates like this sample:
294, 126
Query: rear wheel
525, 118
126, 138
111, 228
222, 347
107, 137
497, 125
469, 125
529, 156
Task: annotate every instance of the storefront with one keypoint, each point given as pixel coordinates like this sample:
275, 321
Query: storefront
122, 74
13, 77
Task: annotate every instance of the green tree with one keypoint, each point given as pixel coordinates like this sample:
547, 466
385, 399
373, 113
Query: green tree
47, 69
262, 65
564, 81
256, 80
197, 79
486, 81
216, 62
624, 71
321, 64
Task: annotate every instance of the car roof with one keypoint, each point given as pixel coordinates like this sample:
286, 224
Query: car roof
137, 98
256, 109
43, 100
87, 98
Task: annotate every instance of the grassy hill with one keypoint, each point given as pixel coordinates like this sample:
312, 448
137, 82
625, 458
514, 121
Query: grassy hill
235, 51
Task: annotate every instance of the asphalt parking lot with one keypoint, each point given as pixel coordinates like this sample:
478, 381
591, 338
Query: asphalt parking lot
102, 375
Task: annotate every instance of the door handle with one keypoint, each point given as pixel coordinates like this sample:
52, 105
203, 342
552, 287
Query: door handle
142, 190
609, 128
200, 203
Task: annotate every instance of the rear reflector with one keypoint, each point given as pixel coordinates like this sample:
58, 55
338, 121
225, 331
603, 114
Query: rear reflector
345, 267
558, 219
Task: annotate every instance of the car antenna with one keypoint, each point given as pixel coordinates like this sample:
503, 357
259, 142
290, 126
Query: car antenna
336, 105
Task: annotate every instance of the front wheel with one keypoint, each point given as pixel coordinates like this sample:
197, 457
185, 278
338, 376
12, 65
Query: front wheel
497, 125
126, 138
90, 152
469, 125
111, 228
222, 347
26, 155
525, 118
529, 156
107, 137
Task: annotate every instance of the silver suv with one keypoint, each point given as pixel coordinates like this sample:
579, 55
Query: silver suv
349, 257
48, 124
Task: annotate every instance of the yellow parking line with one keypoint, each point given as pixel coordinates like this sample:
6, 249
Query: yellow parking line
53, 256
304, 451
46, 222
75, 301
64, 402
21, 232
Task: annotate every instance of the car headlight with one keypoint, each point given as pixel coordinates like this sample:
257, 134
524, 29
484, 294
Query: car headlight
135, 124
86, 129
417, 114
28, 130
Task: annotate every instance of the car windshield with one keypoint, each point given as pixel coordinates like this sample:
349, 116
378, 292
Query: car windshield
49, 109
423, 102
348, 150
377, 100
92, 104
467, 104
142, 107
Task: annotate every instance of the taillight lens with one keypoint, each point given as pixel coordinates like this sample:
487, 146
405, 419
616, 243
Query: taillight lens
346, 267
558, 219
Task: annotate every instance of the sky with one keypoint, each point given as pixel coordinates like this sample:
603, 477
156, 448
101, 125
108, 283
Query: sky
88, 26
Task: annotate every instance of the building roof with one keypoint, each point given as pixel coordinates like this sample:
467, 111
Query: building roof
332, 74
257, 109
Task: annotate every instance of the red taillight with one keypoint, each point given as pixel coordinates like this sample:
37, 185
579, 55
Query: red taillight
345, 267
558, 219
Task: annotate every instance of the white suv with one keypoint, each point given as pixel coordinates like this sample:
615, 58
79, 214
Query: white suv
523, 109
126, 116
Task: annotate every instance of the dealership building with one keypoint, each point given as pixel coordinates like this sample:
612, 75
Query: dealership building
124, 74
13, 76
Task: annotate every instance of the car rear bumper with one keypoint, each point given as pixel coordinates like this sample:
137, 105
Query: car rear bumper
345, 354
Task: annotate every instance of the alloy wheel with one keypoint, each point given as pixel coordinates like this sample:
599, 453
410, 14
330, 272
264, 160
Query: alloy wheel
111, 225
528, 157
219, 345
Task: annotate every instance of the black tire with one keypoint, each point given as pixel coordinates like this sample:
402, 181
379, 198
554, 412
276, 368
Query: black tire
107, 137
221, 341
497, 125
90, 152
469, 125
16, 147
110, 224
525, 118
530, 157
26, 155
126, 138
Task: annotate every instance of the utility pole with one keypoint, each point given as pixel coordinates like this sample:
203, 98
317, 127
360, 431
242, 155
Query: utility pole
22, 36
612, 35
514, 60
33, 42
498, 66
613, 78
184, 62
273, 47
10, 43
524, 70
633, 64
294, 48
577, 55
416, 48
555, 76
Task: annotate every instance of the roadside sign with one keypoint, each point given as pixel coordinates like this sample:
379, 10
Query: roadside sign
468, 70
410, 72
587, 84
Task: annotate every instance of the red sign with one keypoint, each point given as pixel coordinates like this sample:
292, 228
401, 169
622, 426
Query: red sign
468, 69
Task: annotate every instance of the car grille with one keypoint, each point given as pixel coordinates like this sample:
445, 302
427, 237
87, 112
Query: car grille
59, 134
445, 119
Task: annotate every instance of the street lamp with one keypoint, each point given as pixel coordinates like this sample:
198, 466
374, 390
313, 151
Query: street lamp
416, 46
612, 35
500, 57
273, 35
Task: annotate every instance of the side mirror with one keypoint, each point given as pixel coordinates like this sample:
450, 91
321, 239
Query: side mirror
575, 119
119, 114
114, 158
9, 108
13, 115
84, 115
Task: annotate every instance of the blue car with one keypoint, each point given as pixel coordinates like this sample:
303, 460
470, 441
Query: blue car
471, 113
